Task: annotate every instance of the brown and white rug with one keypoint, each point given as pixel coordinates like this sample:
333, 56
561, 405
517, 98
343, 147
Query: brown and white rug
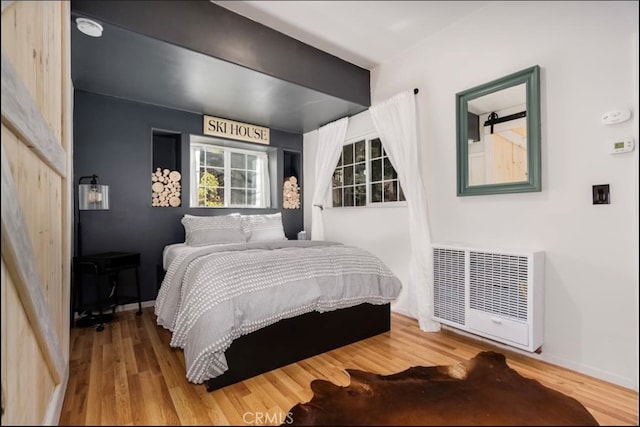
481, 391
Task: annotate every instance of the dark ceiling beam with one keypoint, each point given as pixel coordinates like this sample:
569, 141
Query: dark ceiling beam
205, 27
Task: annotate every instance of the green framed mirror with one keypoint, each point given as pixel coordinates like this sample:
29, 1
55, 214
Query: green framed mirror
498, 135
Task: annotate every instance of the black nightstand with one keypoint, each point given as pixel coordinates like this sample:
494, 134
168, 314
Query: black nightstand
109, 265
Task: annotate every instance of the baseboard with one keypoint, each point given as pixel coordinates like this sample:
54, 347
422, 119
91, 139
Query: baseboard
401, 311
54, 409
125, 307
554, 360
592, 372
134, 306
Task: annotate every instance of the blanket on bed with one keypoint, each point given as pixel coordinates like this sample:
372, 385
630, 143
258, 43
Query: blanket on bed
218, 293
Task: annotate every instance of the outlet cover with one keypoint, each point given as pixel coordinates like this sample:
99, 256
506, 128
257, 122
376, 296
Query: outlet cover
601, 194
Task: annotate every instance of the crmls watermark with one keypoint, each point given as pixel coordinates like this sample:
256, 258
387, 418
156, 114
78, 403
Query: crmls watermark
263, 418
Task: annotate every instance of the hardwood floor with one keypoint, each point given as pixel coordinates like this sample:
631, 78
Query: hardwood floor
128, 375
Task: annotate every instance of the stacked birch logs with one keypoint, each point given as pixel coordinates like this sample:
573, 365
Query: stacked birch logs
291, 193
165, 188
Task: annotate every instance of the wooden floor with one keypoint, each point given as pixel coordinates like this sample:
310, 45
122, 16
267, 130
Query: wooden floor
128, 375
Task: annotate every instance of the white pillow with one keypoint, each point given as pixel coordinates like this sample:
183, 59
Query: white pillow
208, 230
263, 227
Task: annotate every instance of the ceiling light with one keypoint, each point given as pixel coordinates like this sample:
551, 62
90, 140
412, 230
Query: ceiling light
89, 27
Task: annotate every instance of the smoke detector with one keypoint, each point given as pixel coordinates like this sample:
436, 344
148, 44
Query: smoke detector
89, 27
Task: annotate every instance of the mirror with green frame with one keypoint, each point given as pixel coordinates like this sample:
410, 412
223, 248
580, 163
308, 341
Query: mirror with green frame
498, 135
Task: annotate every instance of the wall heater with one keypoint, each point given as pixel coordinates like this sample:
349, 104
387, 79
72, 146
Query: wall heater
497, 294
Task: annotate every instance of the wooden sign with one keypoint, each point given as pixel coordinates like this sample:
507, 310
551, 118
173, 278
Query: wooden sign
216, 126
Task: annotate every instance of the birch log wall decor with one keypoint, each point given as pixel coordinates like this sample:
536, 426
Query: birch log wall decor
291, 193
166, 188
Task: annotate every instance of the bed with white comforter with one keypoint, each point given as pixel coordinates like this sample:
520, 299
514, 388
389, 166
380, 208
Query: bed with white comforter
212, 295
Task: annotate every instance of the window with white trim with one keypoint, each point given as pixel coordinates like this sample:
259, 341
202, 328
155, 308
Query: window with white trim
223, 176
364, 176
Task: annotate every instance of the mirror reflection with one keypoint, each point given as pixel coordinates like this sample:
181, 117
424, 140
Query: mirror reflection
497, 137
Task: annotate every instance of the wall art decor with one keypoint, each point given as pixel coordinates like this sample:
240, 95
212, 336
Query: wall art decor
166, 188
291, 193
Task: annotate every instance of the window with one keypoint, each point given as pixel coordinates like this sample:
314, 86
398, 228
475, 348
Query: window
364, 176
223, 176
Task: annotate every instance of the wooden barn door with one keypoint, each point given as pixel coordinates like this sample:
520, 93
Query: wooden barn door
36, 209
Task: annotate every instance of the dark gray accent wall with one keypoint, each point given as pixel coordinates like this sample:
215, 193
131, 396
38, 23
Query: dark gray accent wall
113, 139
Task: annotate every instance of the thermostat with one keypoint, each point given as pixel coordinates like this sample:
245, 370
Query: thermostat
616, 116
616, 147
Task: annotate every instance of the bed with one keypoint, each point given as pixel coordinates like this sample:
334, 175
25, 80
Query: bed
241, 308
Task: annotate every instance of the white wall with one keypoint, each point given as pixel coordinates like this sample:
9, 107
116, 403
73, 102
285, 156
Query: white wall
586, 53
636, 96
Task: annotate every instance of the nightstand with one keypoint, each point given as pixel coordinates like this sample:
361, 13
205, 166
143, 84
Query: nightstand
103, 265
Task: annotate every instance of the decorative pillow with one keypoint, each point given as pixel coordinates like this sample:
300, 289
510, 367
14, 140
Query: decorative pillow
263, 227
209, 230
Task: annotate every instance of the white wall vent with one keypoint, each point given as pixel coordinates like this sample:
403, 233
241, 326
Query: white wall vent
494, 293
448, 285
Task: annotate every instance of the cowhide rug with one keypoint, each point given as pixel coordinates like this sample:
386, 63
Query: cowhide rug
481, 391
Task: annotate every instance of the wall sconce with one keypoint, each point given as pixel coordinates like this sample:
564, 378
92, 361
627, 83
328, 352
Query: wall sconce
91, 197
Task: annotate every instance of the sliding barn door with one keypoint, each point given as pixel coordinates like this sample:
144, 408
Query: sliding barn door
36, 210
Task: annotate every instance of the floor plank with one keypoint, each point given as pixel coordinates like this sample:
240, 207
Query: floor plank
129, 375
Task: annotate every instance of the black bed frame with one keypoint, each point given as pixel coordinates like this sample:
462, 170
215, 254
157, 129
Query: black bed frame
295, 339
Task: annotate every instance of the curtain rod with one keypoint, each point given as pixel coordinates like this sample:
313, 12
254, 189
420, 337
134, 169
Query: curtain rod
415, 92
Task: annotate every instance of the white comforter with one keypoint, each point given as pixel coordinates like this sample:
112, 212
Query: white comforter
215, 294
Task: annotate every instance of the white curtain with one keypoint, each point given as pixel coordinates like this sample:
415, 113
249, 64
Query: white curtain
263, 184
330, 141
395, 122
